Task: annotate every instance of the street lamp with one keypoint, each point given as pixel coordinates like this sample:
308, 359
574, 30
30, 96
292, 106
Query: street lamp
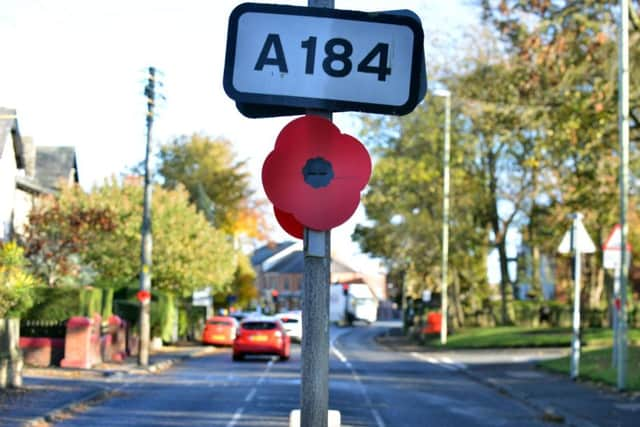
445, 209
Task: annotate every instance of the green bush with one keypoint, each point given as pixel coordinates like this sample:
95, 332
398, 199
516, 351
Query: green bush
526, 313
163, 315
62, 303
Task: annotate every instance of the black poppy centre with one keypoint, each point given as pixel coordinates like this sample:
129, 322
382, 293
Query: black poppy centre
318, 172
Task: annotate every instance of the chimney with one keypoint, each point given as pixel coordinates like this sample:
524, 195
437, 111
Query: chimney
29, 156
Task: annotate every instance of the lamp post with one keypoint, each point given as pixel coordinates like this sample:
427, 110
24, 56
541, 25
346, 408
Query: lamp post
445, 209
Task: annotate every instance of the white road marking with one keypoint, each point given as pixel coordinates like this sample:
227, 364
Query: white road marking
251, 394
266, 371
235, 417
249, 397
378, 418
363, 390
444, 362
448, 361
340, 356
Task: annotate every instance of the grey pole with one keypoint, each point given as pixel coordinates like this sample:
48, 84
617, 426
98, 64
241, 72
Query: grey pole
314, 393
616, 332
575, 341
314, 390
145, 256
445, 212
623, 125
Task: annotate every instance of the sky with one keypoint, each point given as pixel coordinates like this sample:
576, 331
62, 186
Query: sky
75, 72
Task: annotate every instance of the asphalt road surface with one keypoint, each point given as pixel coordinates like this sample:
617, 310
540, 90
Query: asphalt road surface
370, 386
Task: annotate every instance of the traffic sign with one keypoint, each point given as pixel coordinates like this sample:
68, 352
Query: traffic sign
581, 241
295, 58
611, 249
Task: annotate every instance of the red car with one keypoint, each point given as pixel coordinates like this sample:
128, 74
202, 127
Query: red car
261, 335
220, 330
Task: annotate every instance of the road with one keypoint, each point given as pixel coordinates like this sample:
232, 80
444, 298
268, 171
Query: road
370, 386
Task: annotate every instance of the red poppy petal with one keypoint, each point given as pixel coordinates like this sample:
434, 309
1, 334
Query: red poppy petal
289, 223
282, 180
320, 211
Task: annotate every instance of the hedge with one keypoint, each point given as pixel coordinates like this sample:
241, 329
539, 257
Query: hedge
58, 304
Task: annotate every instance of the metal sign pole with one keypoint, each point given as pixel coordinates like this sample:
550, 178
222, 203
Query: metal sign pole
575, 341
616, 332
314, 397
623, 123
314, 390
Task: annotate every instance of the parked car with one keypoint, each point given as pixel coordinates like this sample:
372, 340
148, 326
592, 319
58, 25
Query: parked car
220, 330
263, 335
292, 322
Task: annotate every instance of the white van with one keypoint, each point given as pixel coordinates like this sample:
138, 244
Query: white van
351, 302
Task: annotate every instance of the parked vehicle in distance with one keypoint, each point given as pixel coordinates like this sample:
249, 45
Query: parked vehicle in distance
351, 302
220, 330
238, 315
263, 335
292, 323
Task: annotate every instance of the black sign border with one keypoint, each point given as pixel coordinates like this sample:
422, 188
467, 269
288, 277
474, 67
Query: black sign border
286, 105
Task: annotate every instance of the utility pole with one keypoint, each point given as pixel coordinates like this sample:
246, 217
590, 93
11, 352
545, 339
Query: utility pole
145, 258
623, 130
445, 212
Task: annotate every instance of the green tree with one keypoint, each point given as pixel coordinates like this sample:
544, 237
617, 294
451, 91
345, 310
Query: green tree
16, 283
404, 204
568, 64
217, 182
188, 253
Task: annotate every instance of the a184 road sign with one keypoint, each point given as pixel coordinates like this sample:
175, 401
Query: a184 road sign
296, 58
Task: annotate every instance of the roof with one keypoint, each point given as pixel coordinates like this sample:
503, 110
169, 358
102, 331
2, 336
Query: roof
32, 186
9, 126
267, 251
55, 163
294, 263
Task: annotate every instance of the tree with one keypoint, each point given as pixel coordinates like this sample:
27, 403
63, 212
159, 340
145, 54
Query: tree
188, 252
56, 235
569, 65
404, 204
217, 183
16, 282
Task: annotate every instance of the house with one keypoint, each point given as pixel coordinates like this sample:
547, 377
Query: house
12, 165
26, 172
280, 267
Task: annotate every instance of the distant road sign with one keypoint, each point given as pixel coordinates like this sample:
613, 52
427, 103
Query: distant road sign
328, 59
611, 249
581, 241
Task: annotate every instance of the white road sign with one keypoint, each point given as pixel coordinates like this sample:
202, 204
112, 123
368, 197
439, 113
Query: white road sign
611, 249
321, 58
581, 241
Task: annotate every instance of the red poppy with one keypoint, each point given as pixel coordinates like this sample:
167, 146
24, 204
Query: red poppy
289, 223
315, 173
143, 295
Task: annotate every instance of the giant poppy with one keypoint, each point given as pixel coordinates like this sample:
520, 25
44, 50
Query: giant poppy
315, 173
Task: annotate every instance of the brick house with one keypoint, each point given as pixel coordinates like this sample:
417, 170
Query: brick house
280, 266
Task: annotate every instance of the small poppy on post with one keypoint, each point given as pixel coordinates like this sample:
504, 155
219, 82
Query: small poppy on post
314, 175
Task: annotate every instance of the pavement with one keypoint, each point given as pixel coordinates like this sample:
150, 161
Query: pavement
54, 393
515, 373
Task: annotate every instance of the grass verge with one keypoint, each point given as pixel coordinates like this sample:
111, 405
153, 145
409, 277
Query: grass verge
515, 336
595, 365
